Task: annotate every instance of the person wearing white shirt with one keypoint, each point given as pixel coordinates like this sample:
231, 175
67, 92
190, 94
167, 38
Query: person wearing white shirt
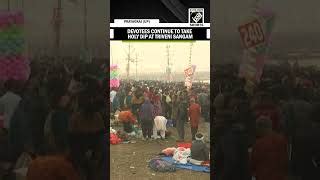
113, 94
8, 104
160, 125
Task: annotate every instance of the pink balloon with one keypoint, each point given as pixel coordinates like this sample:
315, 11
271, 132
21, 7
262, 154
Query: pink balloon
114, 83
15, 67
113, 67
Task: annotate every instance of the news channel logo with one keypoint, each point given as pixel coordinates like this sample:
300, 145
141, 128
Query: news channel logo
196, 16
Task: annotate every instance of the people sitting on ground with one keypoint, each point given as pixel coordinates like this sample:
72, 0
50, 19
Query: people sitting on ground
199, 150
128, 120
160, 125
269, 159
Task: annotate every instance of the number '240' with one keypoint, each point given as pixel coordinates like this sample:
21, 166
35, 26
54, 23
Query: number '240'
251, 34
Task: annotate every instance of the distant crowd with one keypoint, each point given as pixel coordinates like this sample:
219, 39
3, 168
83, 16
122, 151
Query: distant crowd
57, 117
170, 100
270, 130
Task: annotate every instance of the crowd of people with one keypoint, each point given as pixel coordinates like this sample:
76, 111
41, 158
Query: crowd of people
149, 99
270, 131
152, 104
57, 117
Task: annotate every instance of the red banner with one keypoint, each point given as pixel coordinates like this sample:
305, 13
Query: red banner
189, 72
251, 34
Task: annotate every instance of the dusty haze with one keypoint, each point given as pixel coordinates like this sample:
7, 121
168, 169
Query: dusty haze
38, 28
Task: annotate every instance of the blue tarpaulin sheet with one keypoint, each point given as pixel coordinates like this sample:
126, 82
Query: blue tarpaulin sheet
187, 166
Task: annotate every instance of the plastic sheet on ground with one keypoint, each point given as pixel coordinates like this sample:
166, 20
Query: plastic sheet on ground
188, 166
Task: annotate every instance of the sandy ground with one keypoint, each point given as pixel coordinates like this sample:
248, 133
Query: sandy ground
130, 161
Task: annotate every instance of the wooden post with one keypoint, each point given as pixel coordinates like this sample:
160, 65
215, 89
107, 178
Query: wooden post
57, 26
85, 24
8, 5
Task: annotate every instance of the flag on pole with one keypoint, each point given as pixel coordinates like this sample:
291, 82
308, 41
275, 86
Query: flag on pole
256, 39
188, 73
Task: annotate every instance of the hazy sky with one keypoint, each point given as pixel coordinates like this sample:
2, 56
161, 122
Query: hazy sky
153, 55
39, 29
293, 17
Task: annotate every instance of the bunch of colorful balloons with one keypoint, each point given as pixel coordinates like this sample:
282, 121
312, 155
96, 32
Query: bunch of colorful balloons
13, 62
114, 76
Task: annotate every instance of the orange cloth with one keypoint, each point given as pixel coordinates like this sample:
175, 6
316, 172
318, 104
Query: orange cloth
126, 116
269, 158
52, 168
194, 114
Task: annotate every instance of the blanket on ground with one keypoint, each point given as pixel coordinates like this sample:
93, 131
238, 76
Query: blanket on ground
187, 166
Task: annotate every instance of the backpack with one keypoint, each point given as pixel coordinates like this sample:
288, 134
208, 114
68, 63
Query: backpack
160, 165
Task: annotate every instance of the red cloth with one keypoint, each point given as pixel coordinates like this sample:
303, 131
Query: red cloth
194, 114
156, 98
114, 139
269, 111
269, 158
150, 96
126, 116
184, 145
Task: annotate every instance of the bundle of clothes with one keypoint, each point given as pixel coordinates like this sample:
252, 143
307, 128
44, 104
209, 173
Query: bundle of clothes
195, 158
117, 137
114, 138
197, 154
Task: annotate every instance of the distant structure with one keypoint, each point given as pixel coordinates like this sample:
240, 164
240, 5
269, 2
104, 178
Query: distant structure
168, 69
190, 54
136, 61
129, 60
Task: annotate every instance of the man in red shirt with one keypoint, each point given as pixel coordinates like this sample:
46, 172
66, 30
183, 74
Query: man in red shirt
269, 158
194, 115
267, 108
